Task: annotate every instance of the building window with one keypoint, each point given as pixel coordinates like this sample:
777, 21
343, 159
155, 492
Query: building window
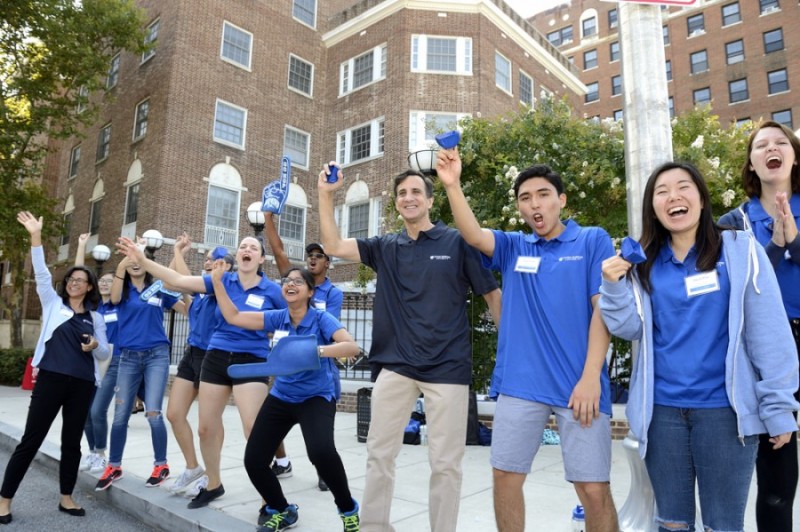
592, 94
613, 19
671, 106
236, 45
783, 117
441, 54
731, 14
305, 11
301, 75
768, 6
358, 221
222, 215
67, 228
361, 142
103, 143
613, 51
94, 217
741, 122
525, 89
74, 161
699, 61
82, 99
778, 81
734, 52
560, 36
292, 223
140, 125
230, 123
737, 90
665, 34
589, 27
590, 59
668, 65
150, 38
618, 114
616, 85
423, 127
773, 41
295, 146
113, 73
502, 72
702, 96
132, 204
696, 24
366, 68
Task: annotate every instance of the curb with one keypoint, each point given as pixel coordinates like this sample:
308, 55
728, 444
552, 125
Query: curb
153, 507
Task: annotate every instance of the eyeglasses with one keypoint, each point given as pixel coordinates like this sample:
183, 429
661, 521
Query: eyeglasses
76, 280
316, 256
297, 281
105, 281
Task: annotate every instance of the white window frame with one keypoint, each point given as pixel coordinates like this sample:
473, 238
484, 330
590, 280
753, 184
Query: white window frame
347, 70
128, 187
524, 76
74, 161
595, 60
344, 142
151, 36
502, 80
585, 16
243, 126
310, 93
419, 127
304, 164
596, 92
103, 139
140, 123
313, 23
231, 60
113, 72
419, 55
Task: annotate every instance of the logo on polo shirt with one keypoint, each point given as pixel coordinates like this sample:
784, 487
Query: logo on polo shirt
440, 257
570, 257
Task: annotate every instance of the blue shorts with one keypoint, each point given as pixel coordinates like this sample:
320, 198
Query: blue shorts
517, 433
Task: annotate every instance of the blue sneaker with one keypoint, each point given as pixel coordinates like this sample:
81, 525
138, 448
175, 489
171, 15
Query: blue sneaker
350, 519
280, 520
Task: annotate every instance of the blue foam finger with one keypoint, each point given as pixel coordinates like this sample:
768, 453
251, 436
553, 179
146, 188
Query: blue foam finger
274, 197
286, 174
632, 251
292, 354
449, 139
152, 290
220, 252
334, 175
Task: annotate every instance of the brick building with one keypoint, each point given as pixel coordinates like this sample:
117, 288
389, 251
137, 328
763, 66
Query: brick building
741, 56
199, 125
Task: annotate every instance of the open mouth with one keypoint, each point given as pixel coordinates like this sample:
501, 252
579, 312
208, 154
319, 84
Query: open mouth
538, 220
677, 211
774, 162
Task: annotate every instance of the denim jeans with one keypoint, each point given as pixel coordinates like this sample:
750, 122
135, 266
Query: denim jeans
96, 428
688, 444
152, 366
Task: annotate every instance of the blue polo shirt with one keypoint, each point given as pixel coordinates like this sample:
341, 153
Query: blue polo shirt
547, 308
690, 333
202, 320
787, 272
111, 318
301, 386
141, 323
266, 295
328, 298
420, 327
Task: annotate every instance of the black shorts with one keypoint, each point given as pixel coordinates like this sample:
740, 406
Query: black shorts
189, 367
216, 363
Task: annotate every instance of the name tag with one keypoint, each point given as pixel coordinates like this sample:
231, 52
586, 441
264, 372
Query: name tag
527, 264
702, 283
254, 301
111, 317
155, 301
277, 335
320, 305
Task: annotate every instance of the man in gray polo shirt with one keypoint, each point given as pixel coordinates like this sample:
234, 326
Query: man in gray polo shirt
420, 342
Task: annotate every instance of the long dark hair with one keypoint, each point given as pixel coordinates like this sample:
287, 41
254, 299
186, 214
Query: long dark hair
91, 299
307, 277
126, 284
708, 239
750, 180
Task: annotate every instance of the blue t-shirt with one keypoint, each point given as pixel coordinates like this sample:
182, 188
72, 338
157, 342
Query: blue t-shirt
301, 386
548, 287
266, 295
787, 272
111, 318
141, 323
690, 332
202, 320
328, 298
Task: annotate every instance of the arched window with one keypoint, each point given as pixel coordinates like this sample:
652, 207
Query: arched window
67, 214
222, 208
96, 202
360, 216
131, 213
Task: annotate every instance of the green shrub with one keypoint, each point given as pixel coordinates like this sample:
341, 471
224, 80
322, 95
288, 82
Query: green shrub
12, 365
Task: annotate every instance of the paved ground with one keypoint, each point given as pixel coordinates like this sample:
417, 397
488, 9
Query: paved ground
549, 499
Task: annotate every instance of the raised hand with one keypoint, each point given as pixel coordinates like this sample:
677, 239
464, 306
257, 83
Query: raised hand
132, 251
217, 270
31, 223
448, 166
83, 238
322, 183
183, 243
615, 268
784, 218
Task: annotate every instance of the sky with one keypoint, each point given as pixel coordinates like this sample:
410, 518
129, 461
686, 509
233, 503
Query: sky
526, 8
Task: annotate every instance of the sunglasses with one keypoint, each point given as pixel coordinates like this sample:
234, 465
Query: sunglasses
316, 256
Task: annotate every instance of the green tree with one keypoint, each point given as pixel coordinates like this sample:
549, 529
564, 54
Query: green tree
54, 55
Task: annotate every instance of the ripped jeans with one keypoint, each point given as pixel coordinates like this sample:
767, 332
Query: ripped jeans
688, 445
152, 367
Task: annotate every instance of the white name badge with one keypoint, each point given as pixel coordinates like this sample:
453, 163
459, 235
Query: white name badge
155, 301
320, 305
702, 283
254, 301
111, 317
527, 264
277, 335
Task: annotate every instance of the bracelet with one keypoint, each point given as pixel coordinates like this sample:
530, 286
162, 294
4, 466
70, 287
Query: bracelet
120, 278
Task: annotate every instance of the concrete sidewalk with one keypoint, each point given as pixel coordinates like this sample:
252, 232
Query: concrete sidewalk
549, 499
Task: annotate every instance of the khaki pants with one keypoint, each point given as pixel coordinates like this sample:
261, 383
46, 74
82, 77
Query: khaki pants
393, 399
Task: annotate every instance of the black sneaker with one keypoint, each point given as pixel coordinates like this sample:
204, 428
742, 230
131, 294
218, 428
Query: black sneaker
158, 476
321, 485
280, 520
281, 471
206, 496
110, 474
263, 515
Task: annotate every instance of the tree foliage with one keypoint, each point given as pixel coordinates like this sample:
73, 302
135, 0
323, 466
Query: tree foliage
54, 55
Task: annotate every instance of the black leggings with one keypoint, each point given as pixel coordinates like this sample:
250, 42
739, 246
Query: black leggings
777, 472
52, 392
273, 423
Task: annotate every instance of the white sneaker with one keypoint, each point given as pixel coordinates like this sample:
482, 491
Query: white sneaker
194, 490
99, 464
186, 478
87, 461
